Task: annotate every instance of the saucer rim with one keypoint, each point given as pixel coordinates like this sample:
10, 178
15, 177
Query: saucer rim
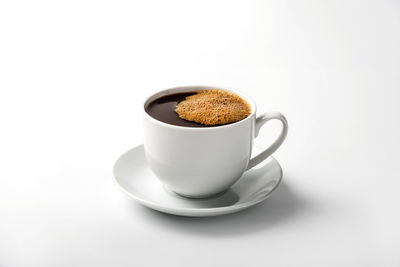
194, 211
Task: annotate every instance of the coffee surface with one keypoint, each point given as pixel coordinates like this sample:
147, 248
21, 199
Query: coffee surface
213, 107
163, 109
206, 108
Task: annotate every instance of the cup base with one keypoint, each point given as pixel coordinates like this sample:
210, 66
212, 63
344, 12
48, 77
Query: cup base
194, 197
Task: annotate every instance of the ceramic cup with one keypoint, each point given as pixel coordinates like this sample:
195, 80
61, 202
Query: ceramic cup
201, 162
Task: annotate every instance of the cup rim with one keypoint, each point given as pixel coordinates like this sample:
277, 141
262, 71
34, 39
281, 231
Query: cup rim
189, 88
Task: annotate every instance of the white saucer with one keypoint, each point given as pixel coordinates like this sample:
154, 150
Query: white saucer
134, 177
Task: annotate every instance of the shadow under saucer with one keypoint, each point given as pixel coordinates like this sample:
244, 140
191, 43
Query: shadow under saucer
282, 206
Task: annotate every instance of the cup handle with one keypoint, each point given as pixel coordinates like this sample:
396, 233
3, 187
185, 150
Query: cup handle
260, 121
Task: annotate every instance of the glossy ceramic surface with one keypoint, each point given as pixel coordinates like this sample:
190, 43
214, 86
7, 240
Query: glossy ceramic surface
134, 177
201, 162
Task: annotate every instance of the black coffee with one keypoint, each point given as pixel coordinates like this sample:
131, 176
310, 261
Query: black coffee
163, 109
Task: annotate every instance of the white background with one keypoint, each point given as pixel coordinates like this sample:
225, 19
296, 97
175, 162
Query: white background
73, 75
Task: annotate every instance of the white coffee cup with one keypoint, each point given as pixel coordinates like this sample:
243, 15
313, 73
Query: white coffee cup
201, 162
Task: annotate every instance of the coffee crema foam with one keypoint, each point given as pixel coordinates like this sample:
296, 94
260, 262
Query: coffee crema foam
213, 107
